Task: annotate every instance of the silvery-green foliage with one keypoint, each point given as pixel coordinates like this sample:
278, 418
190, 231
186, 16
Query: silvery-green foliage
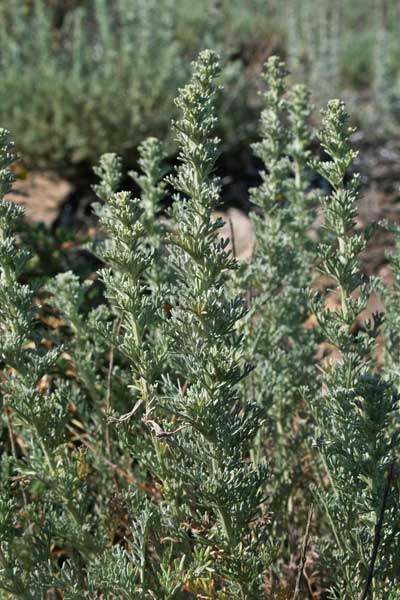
127, 258
99, 79
218, 487
152, 195
106, 73
109, 171
87, 347
64, 491
150, 180
356, 411
84, 347
284, 253
348, 45
315, 42
186, 362
132, 457
390, 295
37, 411
386, 84
136, 239
79, 499
132, 278
278, 342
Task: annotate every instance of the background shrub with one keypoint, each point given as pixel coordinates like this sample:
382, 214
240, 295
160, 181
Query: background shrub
104, 75
99, 75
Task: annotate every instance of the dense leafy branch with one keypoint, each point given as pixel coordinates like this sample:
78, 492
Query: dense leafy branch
357, 412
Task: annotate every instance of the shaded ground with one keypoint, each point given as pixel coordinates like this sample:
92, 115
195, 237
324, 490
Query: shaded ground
42, 194
54, 201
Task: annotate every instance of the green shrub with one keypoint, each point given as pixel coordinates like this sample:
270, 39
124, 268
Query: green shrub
390, 294
92, 86
141, 455
107, 76
278, 341
100, 75
177, 371
357, 412
350, 46
386, 87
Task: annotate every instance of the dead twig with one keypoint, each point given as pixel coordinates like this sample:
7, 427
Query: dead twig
127, 415
11, 436
129, 478
377, 536
303, 558
107, 441
117, 327
156, 429
309, 584
159, 431
233, 244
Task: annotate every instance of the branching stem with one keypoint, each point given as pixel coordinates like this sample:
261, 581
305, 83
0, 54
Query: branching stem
377, 535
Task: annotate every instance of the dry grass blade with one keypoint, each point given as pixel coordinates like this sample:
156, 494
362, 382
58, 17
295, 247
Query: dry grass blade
303, 558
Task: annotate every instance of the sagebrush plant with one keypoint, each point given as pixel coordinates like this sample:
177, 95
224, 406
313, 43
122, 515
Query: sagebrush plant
390, 294
106, 73
152, 189
44, 501
346, 49
153, 424
185, 376
315, 41
386, 77
357, 412
216, 481
138, 469
153, 193
81, 73
278, 342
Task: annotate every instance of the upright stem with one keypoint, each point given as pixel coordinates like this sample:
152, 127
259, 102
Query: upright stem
377, 536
